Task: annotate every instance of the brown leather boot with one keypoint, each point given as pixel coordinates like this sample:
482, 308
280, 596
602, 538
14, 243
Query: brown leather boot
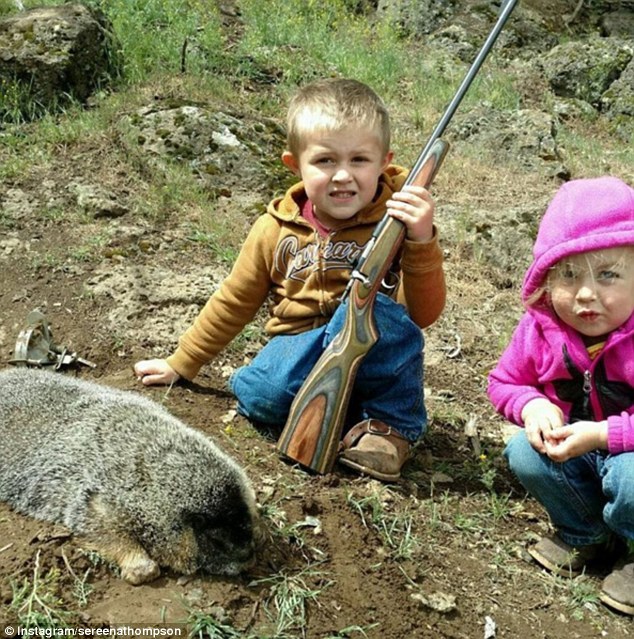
617, 590
556, 555
375, 449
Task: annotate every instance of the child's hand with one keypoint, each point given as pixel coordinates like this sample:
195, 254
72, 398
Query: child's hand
540, 417
414, 207
155, 371
576, 439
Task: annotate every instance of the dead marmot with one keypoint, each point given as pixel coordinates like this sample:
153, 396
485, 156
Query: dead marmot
145, 489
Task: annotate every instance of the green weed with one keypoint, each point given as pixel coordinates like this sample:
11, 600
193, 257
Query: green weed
289, 597
581, 595
81, 589
36, 602
438, 506
396, 530
225, 253
205, 626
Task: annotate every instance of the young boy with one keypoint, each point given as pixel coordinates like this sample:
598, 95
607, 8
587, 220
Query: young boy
301, 253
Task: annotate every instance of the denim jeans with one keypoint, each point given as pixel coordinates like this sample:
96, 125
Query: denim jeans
588, 498
388, 385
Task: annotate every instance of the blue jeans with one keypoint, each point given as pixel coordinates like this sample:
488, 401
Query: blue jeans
588, 498
388, 385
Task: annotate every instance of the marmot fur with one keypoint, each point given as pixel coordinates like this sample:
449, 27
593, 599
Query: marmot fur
145, 489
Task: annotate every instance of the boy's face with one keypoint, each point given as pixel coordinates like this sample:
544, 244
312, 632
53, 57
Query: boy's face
340, 171
594, 292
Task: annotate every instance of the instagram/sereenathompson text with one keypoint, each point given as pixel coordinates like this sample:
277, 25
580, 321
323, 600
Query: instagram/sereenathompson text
123, 630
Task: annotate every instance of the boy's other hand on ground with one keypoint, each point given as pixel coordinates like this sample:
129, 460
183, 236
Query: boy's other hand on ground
414, 207
574, 440
155, 371
540, 417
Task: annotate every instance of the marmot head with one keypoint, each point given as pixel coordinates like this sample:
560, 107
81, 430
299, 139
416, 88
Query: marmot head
213, 531
225, 535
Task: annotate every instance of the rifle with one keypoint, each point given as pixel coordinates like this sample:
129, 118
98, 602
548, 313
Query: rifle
313, 430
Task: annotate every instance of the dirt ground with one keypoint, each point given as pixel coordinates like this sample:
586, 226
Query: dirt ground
439, 554
435, 555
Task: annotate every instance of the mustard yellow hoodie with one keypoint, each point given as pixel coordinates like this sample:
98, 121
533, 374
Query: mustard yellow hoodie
305, 274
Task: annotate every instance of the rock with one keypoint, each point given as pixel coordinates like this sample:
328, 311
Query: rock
618, 102
419, 17
584, 70
224, 151
438, 601
527, 135
97, 201
51, 54
618, 24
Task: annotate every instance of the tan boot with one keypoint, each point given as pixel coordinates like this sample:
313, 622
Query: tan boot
556, 555
617, 590
375, 449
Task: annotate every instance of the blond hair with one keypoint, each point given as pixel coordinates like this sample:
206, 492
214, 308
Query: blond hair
333, 105
574, 264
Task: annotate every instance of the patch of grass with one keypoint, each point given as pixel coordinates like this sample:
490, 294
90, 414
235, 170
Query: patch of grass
53, 213
160, 36
289, 597
225, 253
439, 507
396, 529
81, 589
205, 626
44, 260
36, 602
295, 534
500, 506
467, 523
581, 596
17, 105
251, 338
593, 150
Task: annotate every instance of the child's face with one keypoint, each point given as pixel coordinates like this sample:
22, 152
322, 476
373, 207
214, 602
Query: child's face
340, 171
594, 292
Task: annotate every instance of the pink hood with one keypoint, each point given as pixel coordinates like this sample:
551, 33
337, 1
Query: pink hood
585, 215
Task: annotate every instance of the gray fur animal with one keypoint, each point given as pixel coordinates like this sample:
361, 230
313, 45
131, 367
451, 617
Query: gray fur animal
145, 489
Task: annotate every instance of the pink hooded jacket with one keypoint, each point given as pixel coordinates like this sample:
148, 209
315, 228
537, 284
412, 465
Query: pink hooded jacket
546, 357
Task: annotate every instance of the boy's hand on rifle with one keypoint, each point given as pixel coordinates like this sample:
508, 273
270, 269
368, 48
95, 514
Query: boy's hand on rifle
155, 371
414, 206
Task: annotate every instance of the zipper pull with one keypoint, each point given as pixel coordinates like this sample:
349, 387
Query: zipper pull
587, 382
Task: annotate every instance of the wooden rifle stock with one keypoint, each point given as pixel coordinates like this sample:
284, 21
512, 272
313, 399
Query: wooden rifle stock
313, 429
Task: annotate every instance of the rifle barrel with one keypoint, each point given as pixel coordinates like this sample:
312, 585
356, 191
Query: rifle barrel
507, 8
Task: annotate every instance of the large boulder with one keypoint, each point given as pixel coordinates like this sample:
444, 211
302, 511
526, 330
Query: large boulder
618, 102
525, 136
226, 152
51, 54
585, 70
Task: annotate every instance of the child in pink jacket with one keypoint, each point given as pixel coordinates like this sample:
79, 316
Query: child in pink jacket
567, 377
